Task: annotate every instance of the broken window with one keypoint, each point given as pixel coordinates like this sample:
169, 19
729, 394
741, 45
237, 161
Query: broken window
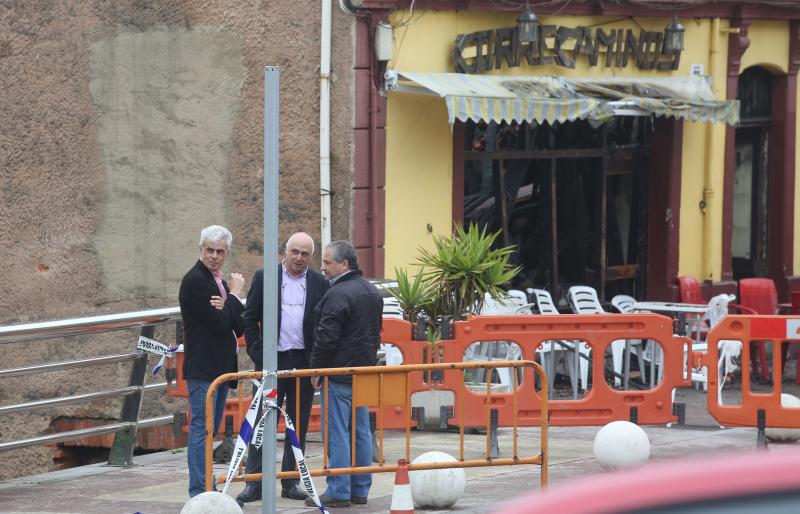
570, 196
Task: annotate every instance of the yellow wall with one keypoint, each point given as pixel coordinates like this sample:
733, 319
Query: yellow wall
769, 46
419, 141
419, 176
703, 161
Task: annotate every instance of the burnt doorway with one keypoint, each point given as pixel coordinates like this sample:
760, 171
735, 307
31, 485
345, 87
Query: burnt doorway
570, 196
750, 241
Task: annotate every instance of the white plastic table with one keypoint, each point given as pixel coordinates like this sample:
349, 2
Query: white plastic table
675, 310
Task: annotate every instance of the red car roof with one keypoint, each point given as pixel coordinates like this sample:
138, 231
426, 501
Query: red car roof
669, 482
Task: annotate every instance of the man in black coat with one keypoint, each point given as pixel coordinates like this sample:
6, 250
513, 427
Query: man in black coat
300, 288
211, 312
348, 334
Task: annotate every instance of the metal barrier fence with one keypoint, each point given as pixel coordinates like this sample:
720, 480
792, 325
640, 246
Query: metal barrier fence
596, 332
128, 422
389, 386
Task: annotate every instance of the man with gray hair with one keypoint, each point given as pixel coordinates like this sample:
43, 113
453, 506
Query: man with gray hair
212, 319
348, 334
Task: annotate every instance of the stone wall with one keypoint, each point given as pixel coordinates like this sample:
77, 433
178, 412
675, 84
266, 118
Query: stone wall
128, 125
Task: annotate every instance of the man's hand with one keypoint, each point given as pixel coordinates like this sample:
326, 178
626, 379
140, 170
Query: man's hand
236, 284
217, 303
315, 382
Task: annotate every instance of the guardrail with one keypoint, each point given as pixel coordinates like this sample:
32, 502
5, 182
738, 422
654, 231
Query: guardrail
128, 422
389, 386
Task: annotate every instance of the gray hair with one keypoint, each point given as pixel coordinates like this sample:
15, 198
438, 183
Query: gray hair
214, 234
344, 250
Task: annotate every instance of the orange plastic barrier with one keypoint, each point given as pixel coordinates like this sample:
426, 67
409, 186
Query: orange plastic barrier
778, 330
601, 404
396, 332
177, 388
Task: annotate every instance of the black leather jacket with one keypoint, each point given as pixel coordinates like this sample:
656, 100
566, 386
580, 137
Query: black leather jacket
349, 318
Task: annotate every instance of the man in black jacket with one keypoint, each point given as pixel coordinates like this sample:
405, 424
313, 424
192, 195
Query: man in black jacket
211, 312
300, 289
348, 334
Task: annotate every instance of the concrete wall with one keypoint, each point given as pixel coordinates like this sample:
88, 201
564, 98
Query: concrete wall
126, 127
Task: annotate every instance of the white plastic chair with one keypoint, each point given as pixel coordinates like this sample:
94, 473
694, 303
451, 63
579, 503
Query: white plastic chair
552, 351
508, 304
391, 308
523, 306
728, 350
624, 304
584, 300
497, 350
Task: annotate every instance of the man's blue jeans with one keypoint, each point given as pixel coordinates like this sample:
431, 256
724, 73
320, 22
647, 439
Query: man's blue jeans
196, 451
339, 417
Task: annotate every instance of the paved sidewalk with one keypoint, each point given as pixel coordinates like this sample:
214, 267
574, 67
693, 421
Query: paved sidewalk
157, 483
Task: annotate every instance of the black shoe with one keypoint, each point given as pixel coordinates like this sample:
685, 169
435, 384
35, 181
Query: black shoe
328, 502
358, 500
293, 493
251, 493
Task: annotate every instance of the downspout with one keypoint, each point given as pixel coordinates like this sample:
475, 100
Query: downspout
708, 188
372, 216
325, 125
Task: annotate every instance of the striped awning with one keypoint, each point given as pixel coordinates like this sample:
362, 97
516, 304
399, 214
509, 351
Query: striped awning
559, 99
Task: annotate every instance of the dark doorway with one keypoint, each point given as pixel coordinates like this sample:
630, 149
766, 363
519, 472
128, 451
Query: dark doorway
571, 197
749, 245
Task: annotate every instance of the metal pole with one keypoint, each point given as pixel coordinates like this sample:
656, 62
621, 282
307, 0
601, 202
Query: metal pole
270, 313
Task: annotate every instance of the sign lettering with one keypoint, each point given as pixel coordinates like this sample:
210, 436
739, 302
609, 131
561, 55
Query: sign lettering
563, 46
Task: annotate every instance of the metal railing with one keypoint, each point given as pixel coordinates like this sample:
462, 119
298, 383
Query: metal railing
388, 386
128, 422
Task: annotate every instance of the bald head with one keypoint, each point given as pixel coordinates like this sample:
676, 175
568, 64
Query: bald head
299, 249
300, 238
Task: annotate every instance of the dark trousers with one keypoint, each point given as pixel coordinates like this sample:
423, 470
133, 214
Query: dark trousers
287, 390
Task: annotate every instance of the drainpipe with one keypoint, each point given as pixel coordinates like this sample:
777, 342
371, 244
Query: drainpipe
324, 125
374, 165
708, 188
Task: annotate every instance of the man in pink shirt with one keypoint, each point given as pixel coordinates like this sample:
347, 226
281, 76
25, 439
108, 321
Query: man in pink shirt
300, 290
212, 318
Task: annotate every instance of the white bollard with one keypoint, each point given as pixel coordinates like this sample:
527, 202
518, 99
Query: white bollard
785, 435
437, 488
621, 444
211, 502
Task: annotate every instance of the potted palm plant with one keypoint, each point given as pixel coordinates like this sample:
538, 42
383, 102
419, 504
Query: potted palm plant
453, 279
455, 276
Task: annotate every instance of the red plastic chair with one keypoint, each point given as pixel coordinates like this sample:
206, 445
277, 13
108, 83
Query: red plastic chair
690, 290
760, 295
690, 293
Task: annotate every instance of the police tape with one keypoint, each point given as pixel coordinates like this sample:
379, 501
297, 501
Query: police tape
152, 346
305, 476
250, 430
246, 432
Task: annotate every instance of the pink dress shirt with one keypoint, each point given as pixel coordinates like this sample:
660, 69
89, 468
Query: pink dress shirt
293, 306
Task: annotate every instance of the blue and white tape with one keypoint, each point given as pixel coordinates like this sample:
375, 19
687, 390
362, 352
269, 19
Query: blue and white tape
255, 431
152, 346
245, 434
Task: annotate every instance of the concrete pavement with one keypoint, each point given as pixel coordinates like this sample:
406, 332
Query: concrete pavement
157, 483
